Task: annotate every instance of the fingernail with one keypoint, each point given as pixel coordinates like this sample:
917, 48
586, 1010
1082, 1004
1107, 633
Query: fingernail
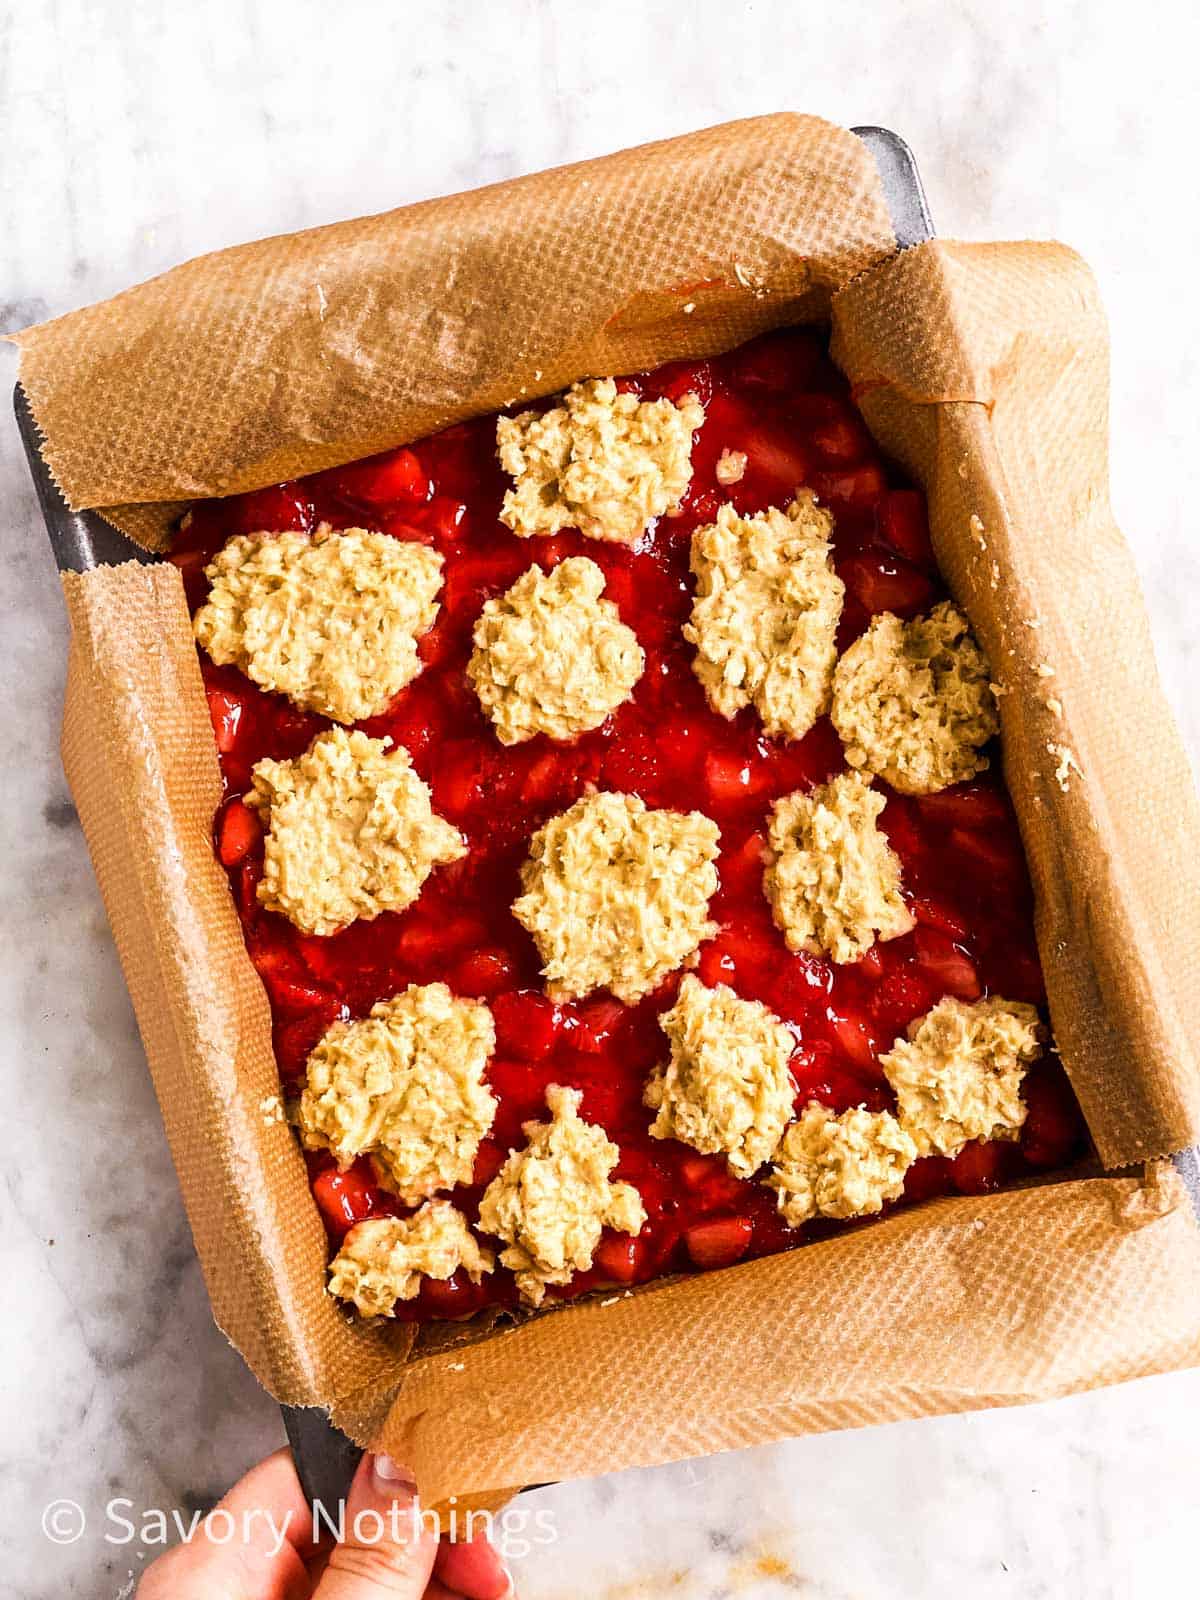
391, 1476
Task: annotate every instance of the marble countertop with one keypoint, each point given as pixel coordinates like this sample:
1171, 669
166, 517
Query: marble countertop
137, 136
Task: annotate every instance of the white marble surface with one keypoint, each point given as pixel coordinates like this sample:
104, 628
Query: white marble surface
136, 134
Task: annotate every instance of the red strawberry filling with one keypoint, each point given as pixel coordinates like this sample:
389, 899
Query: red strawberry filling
780, 401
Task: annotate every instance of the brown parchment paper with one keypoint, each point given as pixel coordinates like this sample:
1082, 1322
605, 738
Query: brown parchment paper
984, 370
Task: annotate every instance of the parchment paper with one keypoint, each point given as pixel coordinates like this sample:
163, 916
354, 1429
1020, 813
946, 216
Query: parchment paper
984, 370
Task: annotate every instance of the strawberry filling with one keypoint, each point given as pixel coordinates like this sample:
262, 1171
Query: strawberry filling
780, 401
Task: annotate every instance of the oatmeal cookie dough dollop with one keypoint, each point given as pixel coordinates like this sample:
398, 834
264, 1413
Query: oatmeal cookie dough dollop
839, 1166
616, 894
726, 1089
405, 1085
766, 613
552, 656
383, 1259
833, 880
551, 1200
602, 462
331, 621
958, 1074
350, 832
913, 703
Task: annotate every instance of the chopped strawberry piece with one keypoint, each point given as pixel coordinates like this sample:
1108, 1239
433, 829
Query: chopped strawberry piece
452, 1297
901, 996
191, 565
458, 779
731, 780
597, 1020
238, 832
719, 1242
928, 1178
709, 1178
633, 766
295, 1041
282, 509
855, 1036
489, 1158
777, 460
443, 519
484, 973
396, 475
620, 587
998, 854
980, 1166
948, 967
293, 994
870, 963
937, 914
741, 870
789, 364
966, 805
1054, 1130
527, 1024
225, 710
903, 524
618, 1258
716, 964
841, 441
346, 1197
851, 488
248, 877
885, 583
438, 642
748, 952
680, 378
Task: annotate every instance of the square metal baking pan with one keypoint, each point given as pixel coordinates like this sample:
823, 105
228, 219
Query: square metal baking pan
325, 1458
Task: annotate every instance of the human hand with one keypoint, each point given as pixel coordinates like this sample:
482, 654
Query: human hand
387, 1552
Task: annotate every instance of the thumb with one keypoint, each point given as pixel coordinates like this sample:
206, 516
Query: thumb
385, 1549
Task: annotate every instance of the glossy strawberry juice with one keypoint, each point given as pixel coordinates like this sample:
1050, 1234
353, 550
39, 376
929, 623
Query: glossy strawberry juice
781, 402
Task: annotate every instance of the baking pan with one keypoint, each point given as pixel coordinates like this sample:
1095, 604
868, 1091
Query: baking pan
325, 1458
